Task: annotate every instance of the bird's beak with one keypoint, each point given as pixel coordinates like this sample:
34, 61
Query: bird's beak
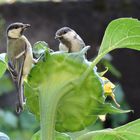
26, 26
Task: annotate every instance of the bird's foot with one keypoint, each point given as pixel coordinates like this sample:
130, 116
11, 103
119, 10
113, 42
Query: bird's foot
19, 107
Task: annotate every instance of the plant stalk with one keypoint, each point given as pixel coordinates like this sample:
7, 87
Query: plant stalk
48, 101
47, 116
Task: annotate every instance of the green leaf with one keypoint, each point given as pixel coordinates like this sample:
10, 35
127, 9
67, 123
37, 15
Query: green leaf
3, 65
58, 136
121, 33
77, 101
130, 131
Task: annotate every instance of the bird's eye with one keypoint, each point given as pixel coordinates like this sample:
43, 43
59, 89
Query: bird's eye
16, 27
65, 32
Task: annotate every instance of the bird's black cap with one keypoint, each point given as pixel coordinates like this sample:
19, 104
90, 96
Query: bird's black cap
62, 31
17, 25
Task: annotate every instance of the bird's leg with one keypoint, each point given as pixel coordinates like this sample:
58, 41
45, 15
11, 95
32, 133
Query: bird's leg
19, 55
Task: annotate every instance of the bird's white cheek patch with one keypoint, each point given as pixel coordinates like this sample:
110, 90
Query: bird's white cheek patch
15, 33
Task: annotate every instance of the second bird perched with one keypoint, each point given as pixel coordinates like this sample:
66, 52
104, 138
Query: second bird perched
20, 57
69, 40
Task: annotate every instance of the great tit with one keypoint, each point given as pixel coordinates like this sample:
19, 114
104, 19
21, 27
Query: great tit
20, 58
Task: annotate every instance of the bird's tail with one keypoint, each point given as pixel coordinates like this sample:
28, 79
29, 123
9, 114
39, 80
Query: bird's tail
20, 103
19, 86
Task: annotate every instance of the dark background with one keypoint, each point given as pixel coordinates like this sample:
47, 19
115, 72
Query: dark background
89, 20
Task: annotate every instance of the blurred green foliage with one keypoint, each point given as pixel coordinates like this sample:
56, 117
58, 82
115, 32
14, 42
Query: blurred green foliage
18, 127
6, 84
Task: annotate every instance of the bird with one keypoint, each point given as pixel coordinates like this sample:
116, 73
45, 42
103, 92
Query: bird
20, 58
69, 40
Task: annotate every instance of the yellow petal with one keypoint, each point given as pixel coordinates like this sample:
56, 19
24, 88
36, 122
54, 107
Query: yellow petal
108, 89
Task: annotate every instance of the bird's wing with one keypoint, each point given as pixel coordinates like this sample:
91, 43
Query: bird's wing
17, 57
81, 41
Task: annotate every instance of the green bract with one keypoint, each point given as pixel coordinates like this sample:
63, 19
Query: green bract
58, 136
130, 131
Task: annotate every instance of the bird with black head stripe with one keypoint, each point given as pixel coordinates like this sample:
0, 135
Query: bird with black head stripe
20, 58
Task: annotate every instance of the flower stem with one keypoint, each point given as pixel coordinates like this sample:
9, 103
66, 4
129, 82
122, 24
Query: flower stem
48, 109
47, 116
